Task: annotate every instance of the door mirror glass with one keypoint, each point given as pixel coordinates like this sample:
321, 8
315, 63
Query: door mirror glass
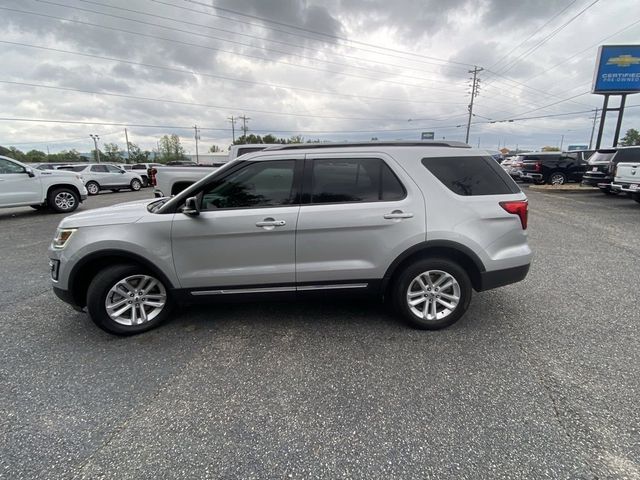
191, 207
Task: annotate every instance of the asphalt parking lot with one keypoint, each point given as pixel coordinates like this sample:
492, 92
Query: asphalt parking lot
540, 379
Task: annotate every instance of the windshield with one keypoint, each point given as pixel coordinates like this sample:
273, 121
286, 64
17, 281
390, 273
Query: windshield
602, 157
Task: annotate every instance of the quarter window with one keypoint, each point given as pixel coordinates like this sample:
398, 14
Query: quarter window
259, 184
471, 175
354, 180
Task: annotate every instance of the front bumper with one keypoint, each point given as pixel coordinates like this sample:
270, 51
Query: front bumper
531, 176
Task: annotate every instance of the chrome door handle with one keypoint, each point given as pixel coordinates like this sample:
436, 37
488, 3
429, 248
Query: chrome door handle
270, 222
396, 214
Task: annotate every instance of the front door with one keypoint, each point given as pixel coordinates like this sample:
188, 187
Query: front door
16, 186
244, 235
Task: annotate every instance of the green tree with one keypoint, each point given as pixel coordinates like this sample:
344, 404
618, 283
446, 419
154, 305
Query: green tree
170, 149
214, 149
549, 149
35, 156
112, 153
632, 137
136, 155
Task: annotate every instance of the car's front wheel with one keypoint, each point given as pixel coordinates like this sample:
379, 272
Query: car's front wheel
93, 188
433, 293
63, 200
135, 185
557, 178
126, 299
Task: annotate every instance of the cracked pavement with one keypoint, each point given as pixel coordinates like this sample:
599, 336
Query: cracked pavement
540, 379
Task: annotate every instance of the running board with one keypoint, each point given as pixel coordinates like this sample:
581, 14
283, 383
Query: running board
302, 288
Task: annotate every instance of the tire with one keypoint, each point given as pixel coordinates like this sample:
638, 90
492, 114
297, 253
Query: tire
93, 188
439, 269
106, 288
557, 178
63, 200
636, 197
135, 185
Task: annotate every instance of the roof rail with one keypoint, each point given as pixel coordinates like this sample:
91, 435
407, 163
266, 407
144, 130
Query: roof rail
298, 146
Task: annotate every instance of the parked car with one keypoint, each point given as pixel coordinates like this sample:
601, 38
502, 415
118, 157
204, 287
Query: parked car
627, 179
555, 168
182, 163
143, 169
104, 176
21, 185
602, 165
303, 219
49, 166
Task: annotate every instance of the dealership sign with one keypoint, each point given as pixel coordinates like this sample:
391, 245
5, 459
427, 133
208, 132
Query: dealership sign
617, 70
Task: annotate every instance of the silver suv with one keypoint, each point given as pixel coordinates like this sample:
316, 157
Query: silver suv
420, 224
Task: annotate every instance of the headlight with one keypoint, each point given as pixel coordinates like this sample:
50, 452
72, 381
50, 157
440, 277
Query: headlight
62, 237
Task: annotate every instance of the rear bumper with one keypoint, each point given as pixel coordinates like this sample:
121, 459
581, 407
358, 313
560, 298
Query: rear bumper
596, 181
500, 278
531, 176
626, 187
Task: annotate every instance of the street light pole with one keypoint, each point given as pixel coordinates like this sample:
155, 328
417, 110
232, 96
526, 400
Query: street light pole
95, 143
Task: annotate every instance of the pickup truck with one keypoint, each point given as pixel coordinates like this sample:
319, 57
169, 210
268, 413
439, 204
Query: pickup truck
554, 168
603, 163
627, 179
168, 181
21, 185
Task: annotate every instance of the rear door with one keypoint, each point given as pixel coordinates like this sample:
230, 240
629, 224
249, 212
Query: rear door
359, 212
100, 174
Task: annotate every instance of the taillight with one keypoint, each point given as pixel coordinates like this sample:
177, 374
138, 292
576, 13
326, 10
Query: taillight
538, 166
152, 176
520, 208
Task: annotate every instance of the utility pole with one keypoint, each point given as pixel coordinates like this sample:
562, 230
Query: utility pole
245, 129
561, 142
95, 143
233, 119
48, 150
593, 129
126, 136
197, 137
474, 93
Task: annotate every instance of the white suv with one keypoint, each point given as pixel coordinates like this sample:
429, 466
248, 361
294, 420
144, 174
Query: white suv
104, 176
421, 223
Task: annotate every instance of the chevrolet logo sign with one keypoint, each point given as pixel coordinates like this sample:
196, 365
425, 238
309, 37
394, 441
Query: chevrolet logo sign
624, 60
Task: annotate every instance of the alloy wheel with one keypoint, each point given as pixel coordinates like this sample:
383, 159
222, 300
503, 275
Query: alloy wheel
65, 201
135, 300
557, 179
433, 295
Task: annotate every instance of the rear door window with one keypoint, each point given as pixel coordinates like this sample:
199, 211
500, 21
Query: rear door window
354, 180
471, 175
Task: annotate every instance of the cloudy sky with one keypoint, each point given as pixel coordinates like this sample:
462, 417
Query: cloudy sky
328, 69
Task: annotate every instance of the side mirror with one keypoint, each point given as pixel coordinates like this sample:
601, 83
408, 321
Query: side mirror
122, 171
30, 172
191, 207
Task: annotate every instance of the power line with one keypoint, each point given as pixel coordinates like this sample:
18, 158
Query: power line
327, 35
222, 77
190, 32
206, 47
226, 39
193, 104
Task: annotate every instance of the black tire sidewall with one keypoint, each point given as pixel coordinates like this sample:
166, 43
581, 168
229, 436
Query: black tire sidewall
92, 183
413, 270
135, 181
97, 293
557, 173
52, 204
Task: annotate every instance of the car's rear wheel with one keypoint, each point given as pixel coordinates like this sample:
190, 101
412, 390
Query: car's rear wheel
93, 188
135, 185
432, 293
63, 200
557, 178
126, 299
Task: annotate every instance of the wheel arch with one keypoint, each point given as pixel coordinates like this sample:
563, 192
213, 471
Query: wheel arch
83, 272
448, 249
56, 186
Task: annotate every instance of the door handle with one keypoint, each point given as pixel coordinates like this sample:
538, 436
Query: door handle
397, 214
270, 222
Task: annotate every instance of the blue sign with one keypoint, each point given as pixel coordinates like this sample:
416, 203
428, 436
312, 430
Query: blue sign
617, 69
